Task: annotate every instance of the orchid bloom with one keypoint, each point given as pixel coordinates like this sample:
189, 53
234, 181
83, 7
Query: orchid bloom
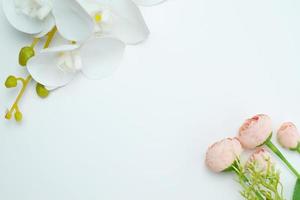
57, 66
38, 17
121, 19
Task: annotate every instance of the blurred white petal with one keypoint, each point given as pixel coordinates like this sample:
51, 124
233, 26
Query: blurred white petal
130, 26
48, 26
72, 21
148, 2
126, 23
101, 57
45, 69
91, 6
51, 88
61, 48
21, 21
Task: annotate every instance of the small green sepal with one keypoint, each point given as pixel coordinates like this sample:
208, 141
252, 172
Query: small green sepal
268, 140
25, 54
41, 90
11, 82
18, 116
8, 115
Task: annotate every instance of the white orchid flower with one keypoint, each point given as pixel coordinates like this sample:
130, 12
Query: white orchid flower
118, 18
96, 58
38, 17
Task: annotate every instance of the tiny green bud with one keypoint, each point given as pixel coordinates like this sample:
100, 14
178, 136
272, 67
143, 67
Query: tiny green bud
41, 90
8, 115
18, 116
25, 54
11, 82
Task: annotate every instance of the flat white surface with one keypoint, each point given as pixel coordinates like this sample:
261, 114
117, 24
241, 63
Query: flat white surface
143, 133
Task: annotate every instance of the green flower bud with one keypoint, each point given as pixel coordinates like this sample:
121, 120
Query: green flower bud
11, 82
18, 116
25, 54
41, 90
8, 115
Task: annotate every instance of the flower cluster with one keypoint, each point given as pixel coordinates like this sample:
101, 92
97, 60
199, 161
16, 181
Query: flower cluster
258, 176
93, 35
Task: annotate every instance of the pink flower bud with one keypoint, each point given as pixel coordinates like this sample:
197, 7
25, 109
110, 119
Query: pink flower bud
223, 154
255, 131
288, 136
261, 158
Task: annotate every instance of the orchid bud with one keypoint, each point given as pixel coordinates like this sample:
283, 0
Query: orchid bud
255, 131
18, 116
8, 115
11, 82
223, 154
41, 90
25, 54
288, 135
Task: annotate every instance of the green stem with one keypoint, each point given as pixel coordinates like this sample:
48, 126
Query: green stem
34, 42
270, 144
25, 82
50, 37
15, 104
296, 194
298, 149
236, 168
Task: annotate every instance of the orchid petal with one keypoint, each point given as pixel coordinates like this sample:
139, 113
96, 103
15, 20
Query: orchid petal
20, 21
51, 88
48, 26
101, 57
72, 21
61, 48
91, 6
43, 67
129, 25
148, 2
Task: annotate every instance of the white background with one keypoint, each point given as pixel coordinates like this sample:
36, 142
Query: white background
143, 133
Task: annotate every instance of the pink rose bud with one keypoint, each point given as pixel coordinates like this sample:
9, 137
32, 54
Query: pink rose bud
221, 155
261, 158
288, 135
255, 131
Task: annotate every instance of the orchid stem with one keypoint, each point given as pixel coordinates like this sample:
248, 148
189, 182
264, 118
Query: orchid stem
34, 42
15, 104
26, 81
270, 144
50, 37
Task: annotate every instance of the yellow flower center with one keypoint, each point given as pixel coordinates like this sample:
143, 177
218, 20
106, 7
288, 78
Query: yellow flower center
98, 17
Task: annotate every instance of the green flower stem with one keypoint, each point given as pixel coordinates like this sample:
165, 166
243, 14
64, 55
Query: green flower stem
50, 37
296, 195
280, 155
15, 107
236, 168
298, 148
26, 81
34, 42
